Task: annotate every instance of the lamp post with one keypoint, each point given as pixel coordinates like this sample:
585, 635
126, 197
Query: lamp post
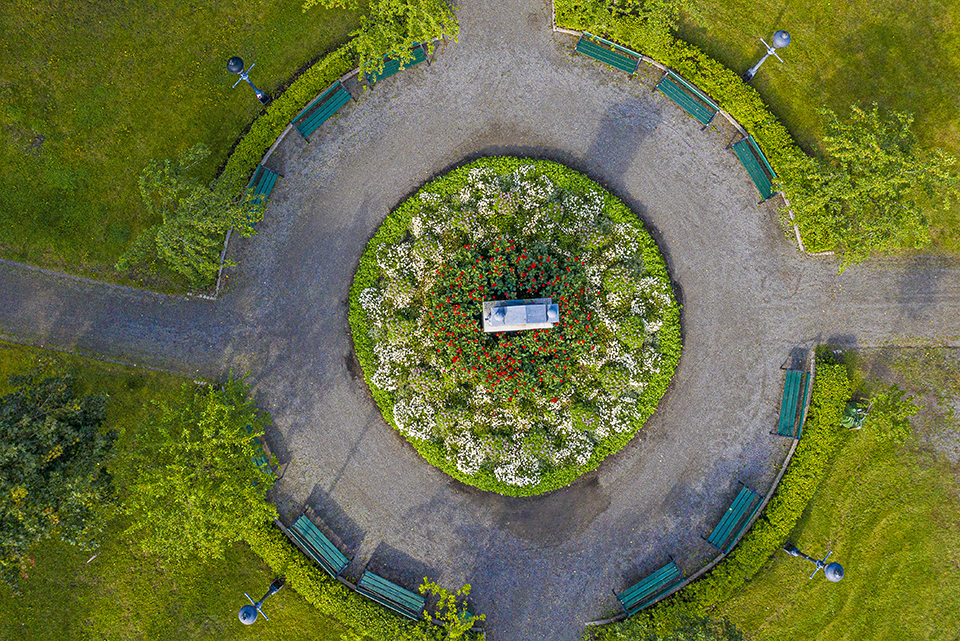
780, 40
248, 613
833, 571
235, 65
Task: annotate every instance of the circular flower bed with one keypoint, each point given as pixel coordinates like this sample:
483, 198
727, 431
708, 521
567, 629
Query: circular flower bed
521, 412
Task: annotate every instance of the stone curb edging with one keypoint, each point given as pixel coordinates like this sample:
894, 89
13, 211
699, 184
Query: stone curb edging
763, 504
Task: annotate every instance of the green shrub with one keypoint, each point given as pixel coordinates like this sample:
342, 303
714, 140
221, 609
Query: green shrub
831, 389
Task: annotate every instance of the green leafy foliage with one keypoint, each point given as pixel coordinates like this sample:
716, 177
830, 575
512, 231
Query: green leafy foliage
889, 415
52, 473
190, 487
195, 218
869, 194
831, 389
391, 27
451, 614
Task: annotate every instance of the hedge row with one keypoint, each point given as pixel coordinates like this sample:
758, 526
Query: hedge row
724, 85
265, 130
831, 390
395, 227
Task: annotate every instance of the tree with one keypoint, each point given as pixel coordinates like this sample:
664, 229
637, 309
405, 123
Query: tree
195, 218
190, 486
391, 27
53, 479
870, 191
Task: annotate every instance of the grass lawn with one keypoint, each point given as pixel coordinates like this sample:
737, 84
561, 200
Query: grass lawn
122, 594
90, 91
903, 55
891, 515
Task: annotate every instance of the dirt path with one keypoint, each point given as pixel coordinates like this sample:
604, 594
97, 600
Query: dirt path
540, 567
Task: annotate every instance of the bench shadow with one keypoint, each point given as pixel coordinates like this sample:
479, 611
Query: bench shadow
919, 286
796, 359
330, 513
399, 567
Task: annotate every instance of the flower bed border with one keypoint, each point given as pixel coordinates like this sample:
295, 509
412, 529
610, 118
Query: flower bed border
394, 226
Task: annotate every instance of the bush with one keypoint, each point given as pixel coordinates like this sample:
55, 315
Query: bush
831, 389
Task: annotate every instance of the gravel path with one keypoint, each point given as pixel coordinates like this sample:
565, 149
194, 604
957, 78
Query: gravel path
542, 566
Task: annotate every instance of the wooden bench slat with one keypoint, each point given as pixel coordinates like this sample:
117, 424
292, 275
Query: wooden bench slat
794, 394
330, 558
391, 595
261, 184
310, 123
392, 65
650, 589
319, 100
622, 59
756, 165
693, 101
735, 520
729, 518
306, 527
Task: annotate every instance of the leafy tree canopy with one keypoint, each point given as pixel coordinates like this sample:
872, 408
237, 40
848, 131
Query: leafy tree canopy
391, 27
869, 192
195, 218
52, 473
659, 18
190, 486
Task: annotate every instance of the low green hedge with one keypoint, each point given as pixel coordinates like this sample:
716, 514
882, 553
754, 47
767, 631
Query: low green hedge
831, 390
724, 85
265, 130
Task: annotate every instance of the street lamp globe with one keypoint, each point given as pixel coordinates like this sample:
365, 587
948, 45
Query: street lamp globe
781, 39
834, 571
235, 64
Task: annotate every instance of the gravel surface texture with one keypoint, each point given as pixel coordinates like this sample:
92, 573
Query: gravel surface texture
540, 567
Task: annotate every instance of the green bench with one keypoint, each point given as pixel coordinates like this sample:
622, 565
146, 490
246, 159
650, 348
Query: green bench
261, 184
391, 595
756, 164
393, 65
260, 458
608, 52
734, 523
651, 589
312, 542
692, 100
321, 109
791, 407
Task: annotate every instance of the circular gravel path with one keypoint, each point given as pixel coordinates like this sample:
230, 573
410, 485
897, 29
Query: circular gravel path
540, 566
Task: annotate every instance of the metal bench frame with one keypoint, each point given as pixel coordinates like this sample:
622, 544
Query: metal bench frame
315, 544
692, 100
321, 109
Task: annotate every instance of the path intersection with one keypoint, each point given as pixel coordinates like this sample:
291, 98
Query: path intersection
540, 567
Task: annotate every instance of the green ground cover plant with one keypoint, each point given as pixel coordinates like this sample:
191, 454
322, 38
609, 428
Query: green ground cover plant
888, 510
811, 460
519, 413
123, 593
90, 92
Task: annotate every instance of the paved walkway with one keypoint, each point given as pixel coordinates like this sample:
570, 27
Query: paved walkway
543, 566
